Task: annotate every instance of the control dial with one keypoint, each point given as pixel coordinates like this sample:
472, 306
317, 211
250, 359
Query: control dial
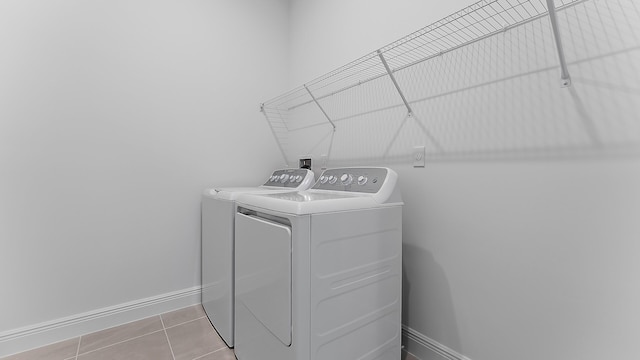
346, 179
362, 180
323, 179
284, 178
332, 179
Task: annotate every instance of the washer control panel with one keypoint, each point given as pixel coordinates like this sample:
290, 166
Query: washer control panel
360, 179
288, 178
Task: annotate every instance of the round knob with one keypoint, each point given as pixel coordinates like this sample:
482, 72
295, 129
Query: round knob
284, 178
332, 179
298, 178
323, 179
346, 179
362, 180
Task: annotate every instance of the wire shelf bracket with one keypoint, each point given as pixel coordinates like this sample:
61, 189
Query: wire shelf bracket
395, 83
320, 107
565, 78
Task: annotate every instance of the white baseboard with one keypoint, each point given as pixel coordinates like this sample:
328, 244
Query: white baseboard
425, 348
45, 333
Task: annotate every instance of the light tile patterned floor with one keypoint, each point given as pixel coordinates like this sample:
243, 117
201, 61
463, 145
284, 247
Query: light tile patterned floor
184, 334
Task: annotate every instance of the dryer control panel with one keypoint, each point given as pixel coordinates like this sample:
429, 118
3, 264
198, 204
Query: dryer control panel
289, 178
359, 179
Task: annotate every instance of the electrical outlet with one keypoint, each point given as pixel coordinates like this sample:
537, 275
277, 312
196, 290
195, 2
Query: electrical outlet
323, 161
418, 156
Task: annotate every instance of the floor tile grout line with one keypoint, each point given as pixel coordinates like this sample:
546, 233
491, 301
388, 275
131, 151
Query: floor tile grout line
121, 342
78, 348
207, 354
186, 322
164, 328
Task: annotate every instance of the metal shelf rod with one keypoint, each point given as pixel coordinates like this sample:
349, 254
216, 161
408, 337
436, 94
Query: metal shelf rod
320, 107
395, 83
565, 77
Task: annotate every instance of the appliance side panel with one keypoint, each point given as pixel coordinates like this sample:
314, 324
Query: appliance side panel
356, 284
217, 264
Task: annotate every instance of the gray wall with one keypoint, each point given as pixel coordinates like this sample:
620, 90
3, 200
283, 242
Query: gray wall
114, 116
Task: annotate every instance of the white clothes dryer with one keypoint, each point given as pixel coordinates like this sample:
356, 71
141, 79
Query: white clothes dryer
318, 272
218, 212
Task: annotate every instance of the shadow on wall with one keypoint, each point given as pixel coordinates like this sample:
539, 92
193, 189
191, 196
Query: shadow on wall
435, 313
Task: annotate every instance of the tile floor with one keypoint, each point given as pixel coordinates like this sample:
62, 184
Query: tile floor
184, 334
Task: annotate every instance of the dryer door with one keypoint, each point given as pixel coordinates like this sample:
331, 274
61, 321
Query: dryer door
263, 273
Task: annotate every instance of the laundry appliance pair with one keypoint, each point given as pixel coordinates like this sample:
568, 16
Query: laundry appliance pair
318, 272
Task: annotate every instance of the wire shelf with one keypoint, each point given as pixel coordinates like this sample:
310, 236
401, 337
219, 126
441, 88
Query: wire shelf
488, 53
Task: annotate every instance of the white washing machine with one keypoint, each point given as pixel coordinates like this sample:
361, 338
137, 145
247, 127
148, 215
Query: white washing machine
218, 212
318, 272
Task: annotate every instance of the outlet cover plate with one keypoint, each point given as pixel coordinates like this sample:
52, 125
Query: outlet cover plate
418, 156
324, 158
